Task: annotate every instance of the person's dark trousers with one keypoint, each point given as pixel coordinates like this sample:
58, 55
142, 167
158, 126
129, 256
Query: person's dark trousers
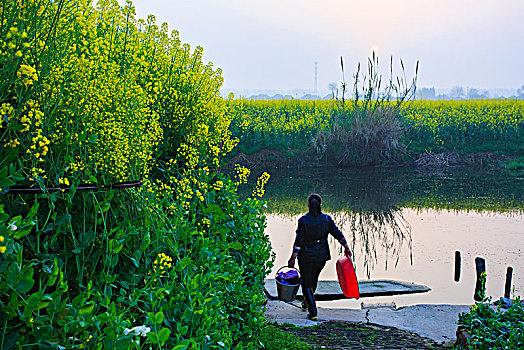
310, 270
310, 301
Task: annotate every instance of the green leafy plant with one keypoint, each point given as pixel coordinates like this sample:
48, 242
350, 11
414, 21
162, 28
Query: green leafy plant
92, 96
491, 327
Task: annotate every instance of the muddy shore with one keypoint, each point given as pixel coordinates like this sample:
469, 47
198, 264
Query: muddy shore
274, 159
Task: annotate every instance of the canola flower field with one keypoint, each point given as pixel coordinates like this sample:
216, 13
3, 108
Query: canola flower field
466, 126
91, 96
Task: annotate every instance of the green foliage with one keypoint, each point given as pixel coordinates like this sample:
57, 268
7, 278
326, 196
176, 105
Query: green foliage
91, 94
82, 268
494, 328
514, 165
273, 337
212, 292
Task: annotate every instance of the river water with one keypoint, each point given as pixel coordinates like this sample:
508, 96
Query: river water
407, 224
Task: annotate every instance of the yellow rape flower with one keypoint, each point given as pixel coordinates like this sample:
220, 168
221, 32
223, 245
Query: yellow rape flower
261, 182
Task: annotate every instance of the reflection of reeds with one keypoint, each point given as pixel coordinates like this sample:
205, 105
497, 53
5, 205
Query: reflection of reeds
375, 230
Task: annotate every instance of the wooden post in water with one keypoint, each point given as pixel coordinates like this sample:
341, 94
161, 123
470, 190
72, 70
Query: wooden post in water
507, 287
480, 266
457, 266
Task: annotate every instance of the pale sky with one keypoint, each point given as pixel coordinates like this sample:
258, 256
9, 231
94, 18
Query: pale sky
273, 44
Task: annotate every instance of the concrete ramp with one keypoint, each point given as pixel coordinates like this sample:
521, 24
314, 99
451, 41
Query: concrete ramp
330, 290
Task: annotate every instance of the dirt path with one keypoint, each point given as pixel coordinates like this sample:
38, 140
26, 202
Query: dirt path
338, 335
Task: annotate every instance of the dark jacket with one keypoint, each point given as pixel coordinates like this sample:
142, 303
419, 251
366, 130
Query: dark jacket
312, 234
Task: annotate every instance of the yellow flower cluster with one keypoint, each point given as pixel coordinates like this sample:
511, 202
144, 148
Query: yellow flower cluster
15, 42
242, 174
206, 222
27, 74
109, 96
6, 110
6, 115
286, 122
193, 161
188, 188
217, 186
36, 173
162, 263
12, 143
32, 117
99, 96
40, 146
261, 183
112, 136
85, 344
3, 247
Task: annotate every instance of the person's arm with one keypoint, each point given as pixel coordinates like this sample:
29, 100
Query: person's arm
299, 242
339, 236
347, 251
291, 261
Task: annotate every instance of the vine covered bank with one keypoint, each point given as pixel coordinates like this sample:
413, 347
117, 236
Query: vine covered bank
91, 97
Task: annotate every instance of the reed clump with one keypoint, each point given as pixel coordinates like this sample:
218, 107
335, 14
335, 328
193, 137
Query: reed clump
367, 129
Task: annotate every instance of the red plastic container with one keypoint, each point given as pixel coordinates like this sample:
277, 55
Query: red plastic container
347, 277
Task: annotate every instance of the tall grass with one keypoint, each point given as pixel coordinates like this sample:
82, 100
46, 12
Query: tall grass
367, 129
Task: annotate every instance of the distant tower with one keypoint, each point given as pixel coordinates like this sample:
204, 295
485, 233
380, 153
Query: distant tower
316, 76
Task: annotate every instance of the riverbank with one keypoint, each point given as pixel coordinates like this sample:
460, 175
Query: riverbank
436, 324
267, 159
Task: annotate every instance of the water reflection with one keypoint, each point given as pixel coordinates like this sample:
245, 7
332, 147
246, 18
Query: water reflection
372, 231
375, 224
456, 190
369, 204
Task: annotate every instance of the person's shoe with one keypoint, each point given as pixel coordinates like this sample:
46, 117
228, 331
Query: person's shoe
312, 318
303, 307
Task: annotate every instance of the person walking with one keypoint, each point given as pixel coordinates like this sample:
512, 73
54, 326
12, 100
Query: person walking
312, 249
